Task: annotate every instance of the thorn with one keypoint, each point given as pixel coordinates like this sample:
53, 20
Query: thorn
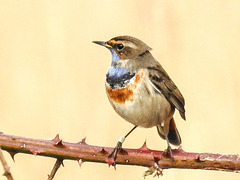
62, 163
12, 154
80, 162
56, 139
180, 149
156, 159
122, 151
58, 142
23, 146
6, 174
103, 151
144, 147
35, 151
83, 141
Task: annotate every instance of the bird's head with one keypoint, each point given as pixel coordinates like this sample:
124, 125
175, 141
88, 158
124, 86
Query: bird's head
125, 47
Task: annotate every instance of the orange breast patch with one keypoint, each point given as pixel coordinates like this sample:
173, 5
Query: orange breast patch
124, 94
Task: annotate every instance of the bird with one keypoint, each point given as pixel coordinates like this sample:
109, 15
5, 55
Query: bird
141, 91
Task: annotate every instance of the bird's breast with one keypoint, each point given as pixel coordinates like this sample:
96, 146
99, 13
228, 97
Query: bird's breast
138, 103
121, 94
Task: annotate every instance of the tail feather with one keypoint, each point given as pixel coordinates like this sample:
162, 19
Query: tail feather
173, 135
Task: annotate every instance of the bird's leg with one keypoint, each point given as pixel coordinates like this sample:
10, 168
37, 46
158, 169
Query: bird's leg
118, 147
169, 149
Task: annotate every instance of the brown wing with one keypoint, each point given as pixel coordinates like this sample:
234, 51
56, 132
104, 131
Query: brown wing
163, 84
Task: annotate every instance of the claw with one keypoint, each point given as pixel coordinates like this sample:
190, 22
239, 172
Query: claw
118, 149
113, 156
168, 153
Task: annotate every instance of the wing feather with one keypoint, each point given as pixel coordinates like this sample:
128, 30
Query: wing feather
163, 84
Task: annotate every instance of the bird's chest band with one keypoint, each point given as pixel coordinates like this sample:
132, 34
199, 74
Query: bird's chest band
118, 77
126, 93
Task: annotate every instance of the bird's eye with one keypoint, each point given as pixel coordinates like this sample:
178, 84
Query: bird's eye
120, 46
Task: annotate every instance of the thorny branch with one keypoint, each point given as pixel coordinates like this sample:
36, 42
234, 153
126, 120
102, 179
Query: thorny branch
6, 168
143, 156
56, 166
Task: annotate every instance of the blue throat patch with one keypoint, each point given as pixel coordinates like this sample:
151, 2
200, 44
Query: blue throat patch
115, 56
118, 77
116, 72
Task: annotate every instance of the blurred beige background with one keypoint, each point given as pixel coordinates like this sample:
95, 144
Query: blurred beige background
52, 78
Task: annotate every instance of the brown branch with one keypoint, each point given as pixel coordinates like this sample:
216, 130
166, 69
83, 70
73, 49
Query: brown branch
56, 166
143, 156
6, 168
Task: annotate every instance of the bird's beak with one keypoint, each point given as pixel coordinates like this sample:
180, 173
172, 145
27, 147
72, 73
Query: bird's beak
102, 43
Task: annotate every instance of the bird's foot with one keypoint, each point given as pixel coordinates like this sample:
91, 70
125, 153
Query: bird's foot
111, 160
113, 156
167, 153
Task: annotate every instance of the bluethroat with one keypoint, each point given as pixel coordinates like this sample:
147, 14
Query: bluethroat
140, 90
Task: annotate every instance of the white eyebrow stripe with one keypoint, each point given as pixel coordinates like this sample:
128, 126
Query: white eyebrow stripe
132, 45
